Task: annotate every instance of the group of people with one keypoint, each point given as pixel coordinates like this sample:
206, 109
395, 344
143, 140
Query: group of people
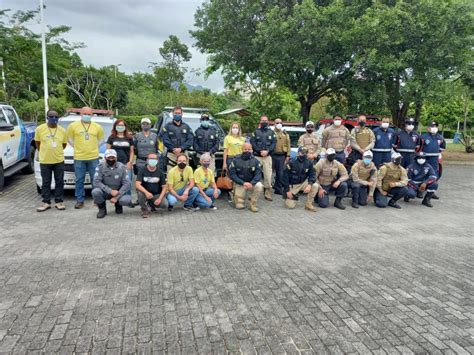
383, 166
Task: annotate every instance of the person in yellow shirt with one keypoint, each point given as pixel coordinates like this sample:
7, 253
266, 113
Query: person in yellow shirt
85, 137
181, 185
233, 143
50, 141
206, 184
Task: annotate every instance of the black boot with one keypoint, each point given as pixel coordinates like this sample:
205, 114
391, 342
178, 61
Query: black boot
406, 198
394, 204
338, 204
427, 199
419, 194
354, 204
434, 196
118, 208
102, 210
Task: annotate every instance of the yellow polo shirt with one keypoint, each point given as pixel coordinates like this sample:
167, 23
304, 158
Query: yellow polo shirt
233, 145
51, 143
203, 179
86, 139
180, 179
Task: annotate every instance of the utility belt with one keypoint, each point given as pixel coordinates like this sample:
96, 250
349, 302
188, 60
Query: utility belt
432, 154
279, 154
382, 150
406, 150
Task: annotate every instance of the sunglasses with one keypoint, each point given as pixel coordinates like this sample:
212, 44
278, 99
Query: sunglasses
182, 178
53, 117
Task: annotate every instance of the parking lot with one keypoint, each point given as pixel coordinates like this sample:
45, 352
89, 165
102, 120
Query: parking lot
354, 281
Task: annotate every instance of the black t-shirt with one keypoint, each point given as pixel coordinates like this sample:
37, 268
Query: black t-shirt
152, 181
122, 146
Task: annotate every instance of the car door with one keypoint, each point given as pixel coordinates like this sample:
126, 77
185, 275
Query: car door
13, 151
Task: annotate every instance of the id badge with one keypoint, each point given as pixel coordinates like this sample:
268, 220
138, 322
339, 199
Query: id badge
86, 136
53, 144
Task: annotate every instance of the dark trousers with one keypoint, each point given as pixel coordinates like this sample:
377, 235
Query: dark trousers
47, 171
341, 157
360, 193
396, 192
433, 161
353, 157
341, 191
382, 157
278, 166
413, 188
407, 159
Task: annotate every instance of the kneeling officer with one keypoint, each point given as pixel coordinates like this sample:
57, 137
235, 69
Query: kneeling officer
111, 182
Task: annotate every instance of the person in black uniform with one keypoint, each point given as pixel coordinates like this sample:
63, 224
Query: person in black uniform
206, 140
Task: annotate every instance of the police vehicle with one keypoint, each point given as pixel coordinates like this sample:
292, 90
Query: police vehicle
17, 147
105, 119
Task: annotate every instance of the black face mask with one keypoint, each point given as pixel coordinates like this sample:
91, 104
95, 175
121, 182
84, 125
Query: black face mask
362, 124
182, 165
111, 162
397, 161
301, 157
264, 124
309, 130
246, 155
331, 157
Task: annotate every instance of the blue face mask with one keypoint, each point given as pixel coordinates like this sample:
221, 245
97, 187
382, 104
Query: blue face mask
153, 162
86, 118
177, 117
53, 120
367, 161
206, 165
205, 123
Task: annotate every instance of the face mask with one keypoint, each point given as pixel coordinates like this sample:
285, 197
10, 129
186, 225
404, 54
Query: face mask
385, 125
367, 161
309, 130
86, 118
235, 131
146, 127
120, 129
361, 124
205, 123
53, 120
182, 165
206, 165
397, 161
177, 117
421, 161
246, 155
111, 162
434, 130
301, 157
331, 157
337, 123
264, 124
410, 128
152, 162
279, 126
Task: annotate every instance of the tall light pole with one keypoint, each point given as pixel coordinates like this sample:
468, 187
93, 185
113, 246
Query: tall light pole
115, 74
3, 78
43, 52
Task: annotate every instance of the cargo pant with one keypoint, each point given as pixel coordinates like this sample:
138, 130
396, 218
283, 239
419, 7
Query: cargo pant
266, 163
100, 197
240, 194
340, 192
397, 193
295, 189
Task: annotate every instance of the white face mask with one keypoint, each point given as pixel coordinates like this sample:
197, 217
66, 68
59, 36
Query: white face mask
385, 125
235, 131
279, 126
420, 161
337, 123
410, 128
434, 130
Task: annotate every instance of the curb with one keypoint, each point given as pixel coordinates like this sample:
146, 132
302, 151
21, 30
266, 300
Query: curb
458, 162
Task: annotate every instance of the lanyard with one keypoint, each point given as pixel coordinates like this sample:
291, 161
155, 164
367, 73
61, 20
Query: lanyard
51, 135
86, 130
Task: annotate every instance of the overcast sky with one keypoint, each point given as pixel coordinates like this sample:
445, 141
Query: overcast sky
126, 32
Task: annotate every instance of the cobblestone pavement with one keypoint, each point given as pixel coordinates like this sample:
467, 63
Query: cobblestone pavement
355, 281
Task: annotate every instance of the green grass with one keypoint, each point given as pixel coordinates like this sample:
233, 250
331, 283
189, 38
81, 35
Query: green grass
455, 147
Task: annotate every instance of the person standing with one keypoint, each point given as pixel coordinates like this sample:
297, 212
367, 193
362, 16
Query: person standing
363, 139
177, 137
121, 141
337, 137
384, 141
50, 142
206, 184
263, 144
280, 155
85, 137
407, 142
144, 143
206, 140
232, 144
311, 141
432, 144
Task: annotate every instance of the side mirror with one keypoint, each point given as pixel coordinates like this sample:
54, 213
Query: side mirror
4, 126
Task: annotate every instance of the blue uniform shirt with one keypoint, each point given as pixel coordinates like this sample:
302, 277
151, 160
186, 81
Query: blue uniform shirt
384, 139
407, 142
419, 174
432, 144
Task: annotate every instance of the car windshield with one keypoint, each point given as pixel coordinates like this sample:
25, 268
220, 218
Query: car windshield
106, 126
294, 136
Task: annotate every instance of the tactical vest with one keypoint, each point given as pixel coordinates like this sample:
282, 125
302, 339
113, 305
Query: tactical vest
263, 139
328, 173
337, 138
310, 141
206, 139
177, 134
245, 169
362, 137
146, 145
298, 171
391, 175
281, 143
364, 171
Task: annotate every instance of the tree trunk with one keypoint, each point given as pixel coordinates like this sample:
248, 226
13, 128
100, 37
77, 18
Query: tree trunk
418, 108
305, 109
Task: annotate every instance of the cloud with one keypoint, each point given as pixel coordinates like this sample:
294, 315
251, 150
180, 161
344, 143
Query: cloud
126, 32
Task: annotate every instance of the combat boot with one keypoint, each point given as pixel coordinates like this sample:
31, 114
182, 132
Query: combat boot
419, 194
406, 198
338, 203
434, 196
427, 200
102, 210
239, 203
394, 204
310, 207
355, 204
118, 208
268, 195
253, 206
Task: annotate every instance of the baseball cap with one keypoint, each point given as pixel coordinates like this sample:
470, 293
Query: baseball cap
110, 153
368, 154
303, 150
309, 123
145, 120
396, 155
330, 151
434, 124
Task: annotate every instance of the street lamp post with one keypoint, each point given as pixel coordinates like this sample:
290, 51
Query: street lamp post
43, 52
3, 78
115, 74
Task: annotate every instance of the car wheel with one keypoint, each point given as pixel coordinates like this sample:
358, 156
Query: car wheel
38, 189
30, 169
2, 178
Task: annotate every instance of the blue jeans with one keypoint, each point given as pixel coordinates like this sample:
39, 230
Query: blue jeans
201, 201
172, 200
81, 167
